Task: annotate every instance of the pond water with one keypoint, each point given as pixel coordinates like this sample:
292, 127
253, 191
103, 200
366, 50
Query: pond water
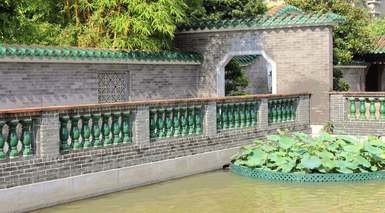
222, 191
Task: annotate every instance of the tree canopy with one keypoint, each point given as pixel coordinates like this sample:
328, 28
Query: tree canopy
351, 37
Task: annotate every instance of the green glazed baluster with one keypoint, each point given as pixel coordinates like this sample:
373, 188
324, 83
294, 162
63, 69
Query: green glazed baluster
279, 111
176, 122
26, 137
2, 142
362, 108
191, 118
183, 120
161, 123
86, 132
12, 139
274, 111
198, 119
372, 108
219, 116
153, 124
253, 113
96, 130
290, 112
106, 129
64, 146
236, 116
126, 127
242, 116
115, 128
248, 114
230, 115
352, 101
168, 121
75, 134
382, 108
285, 110
224, 116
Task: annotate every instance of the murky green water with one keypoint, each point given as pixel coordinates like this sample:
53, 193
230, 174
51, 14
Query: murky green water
226, 192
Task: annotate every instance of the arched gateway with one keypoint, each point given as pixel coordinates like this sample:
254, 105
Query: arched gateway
297, 46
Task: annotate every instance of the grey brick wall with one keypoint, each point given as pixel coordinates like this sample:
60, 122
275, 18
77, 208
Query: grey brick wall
355, 75
45, 167
302, 57
47, 84
257, 74
339, 109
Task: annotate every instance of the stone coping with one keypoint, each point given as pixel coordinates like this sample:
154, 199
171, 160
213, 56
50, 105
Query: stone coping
311, 178
143, 103
358, 94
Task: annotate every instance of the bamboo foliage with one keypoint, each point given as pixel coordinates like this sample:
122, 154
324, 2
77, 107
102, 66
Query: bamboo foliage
132, 24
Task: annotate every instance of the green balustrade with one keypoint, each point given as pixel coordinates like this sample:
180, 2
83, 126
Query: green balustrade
230, 115
352, 108
184, 121
26, 137
198, 119
64, 134
282, 110
2, 142
12, 139
191, 118
236, 115
96, 130
115, 128
362, 108
75, 133
168, 122
86, 132
106, 129
126, 130
382, 108
372, 109
175, 121
161, 123
97, 134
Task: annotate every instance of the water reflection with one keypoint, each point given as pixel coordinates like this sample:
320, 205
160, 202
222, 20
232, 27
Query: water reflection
223, 192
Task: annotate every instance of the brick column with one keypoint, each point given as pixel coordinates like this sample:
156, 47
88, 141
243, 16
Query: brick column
303, 110
210, 119
337, 105
141, 126
47, 130
263, 115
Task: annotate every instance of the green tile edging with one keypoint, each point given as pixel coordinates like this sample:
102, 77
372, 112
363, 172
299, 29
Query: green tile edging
95, 54
265, 21
311, 178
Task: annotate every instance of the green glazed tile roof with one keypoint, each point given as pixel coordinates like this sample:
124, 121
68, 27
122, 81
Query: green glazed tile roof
285, 10
245, 60
265, 21
95, 54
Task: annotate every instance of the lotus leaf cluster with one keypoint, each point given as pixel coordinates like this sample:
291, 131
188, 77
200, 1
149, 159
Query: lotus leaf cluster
301, 153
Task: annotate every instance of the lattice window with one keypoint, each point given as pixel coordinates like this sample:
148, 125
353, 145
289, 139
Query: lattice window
112, 87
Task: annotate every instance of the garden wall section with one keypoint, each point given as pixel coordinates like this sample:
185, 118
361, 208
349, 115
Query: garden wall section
31, 84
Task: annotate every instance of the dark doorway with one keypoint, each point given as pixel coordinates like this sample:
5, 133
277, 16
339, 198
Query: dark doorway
372, 79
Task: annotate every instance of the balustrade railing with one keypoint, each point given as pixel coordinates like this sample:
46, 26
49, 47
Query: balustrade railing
16, 138
83, 131
235, 115
174, 121
366, 108
105, 125
282, 110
